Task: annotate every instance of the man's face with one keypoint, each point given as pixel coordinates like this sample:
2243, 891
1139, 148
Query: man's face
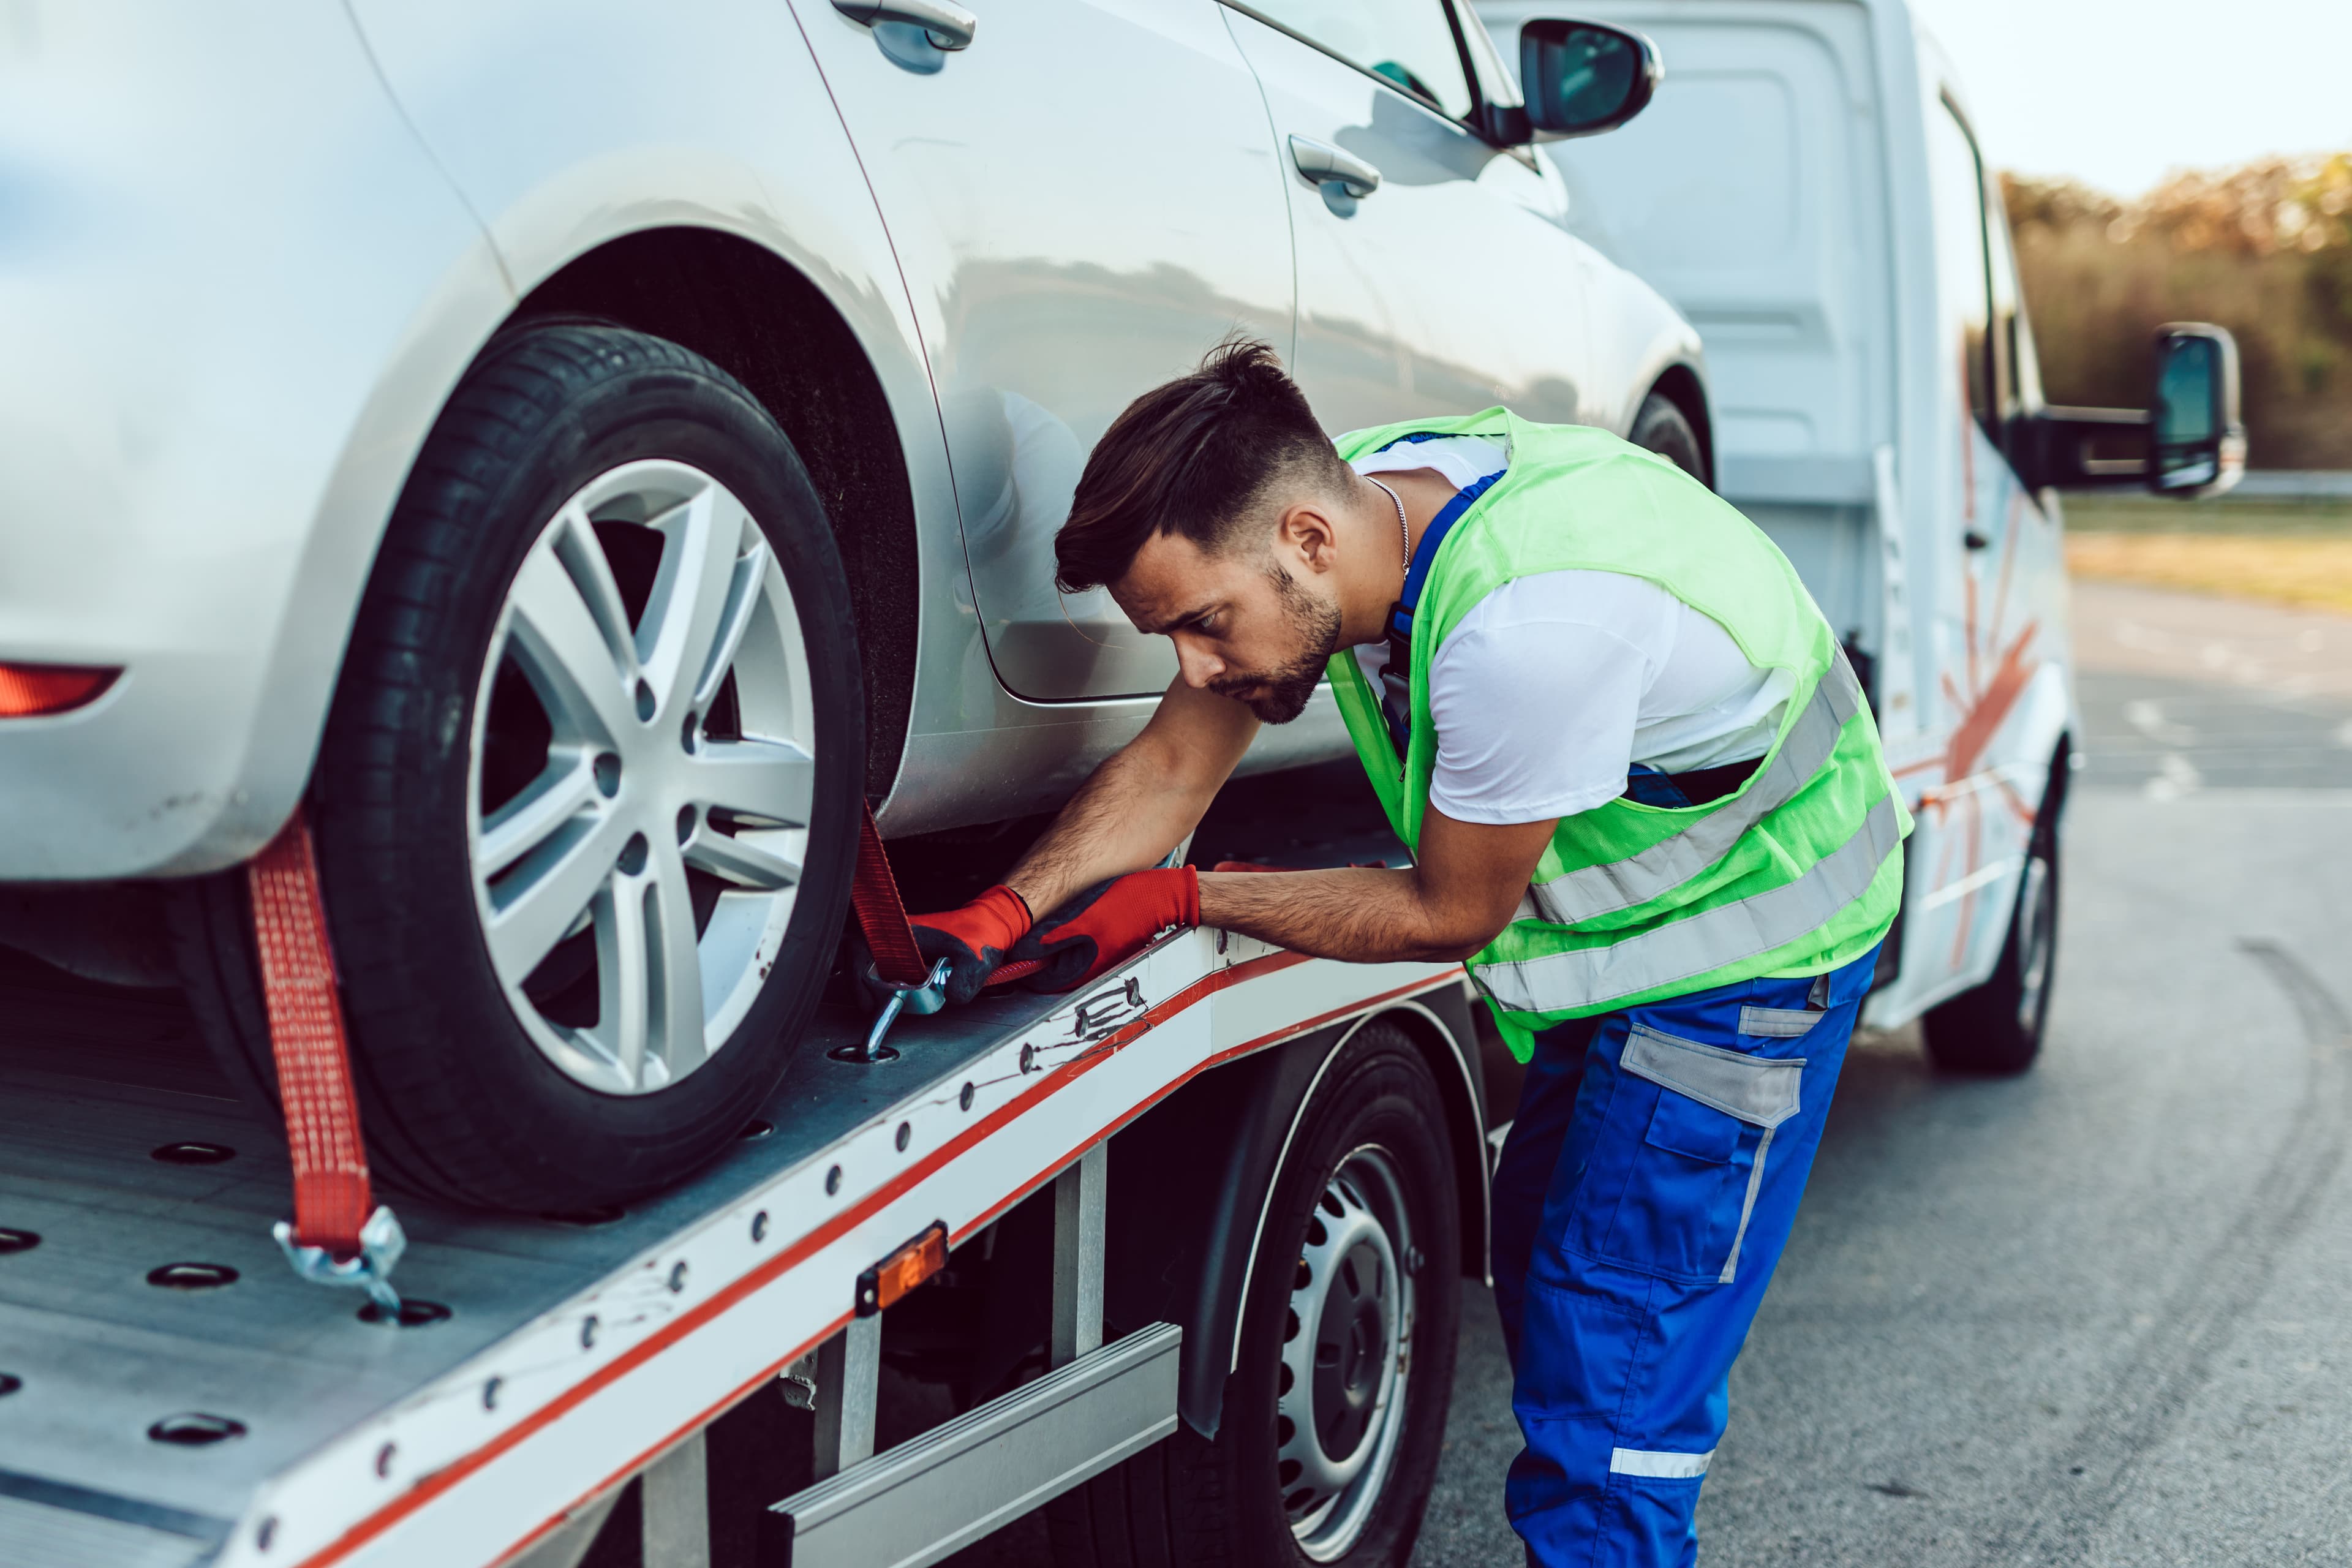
1243, 626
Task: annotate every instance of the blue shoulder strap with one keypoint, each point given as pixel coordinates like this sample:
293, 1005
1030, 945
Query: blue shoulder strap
1396, 681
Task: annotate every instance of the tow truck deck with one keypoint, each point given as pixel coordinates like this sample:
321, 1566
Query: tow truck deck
176, 1395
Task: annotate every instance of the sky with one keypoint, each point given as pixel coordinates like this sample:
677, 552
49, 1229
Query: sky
2116, 93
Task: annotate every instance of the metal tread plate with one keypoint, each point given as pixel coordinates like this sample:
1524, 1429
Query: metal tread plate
361, 1443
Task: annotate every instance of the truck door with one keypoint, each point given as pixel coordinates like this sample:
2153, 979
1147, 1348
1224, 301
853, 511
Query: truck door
1083, 200
1999, 587
1434, 274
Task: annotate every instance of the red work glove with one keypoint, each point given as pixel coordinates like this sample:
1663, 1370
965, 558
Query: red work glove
975, 938
1108, 925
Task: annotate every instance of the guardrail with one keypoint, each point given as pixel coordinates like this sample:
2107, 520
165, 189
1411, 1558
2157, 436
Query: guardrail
2294, 484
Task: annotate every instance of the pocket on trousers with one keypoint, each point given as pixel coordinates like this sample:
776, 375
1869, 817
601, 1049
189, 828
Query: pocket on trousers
1693, 1174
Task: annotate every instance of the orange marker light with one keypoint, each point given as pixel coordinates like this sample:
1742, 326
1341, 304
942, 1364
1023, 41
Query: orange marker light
887, 1281
29, 690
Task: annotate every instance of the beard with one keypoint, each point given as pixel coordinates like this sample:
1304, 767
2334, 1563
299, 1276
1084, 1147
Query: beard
1281, 694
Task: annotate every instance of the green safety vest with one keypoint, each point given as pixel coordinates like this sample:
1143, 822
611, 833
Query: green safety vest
1799, 872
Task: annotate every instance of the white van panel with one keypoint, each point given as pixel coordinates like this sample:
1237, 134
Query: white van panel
1748, 194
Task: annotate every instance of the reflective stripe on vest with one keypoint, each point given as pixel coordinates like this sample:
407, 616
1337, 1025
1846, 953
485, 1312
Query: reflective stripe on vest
1709, 939
1594, 891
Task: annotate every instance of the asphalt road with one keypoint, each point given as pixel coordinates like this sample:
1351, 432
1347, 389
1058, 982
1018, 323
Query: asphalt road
2101, 1313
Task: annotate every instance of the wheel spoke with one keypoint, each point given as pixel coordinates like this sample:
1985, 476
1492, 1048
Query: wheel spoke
582, 554
772, 781
547, 805
697, 606
673, 970
581, 669
621, 980
745, 863
742, 600
538, 904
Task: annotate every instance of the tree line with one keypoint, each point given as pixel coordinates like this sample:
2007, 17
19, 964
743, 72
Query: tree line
2264, 251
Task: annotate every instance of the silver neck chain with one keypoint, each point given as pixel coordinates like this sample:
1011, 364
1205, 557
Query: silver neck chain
1402, 526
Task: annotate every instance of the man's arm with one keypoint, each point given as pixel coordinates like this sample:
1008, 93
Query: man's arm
1141, 802
1469, 880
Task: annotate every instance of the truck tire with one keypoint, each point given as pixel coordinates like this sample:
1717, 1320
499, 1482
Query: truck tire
585, 807
1336, 1411
1995, 1029
1662, 427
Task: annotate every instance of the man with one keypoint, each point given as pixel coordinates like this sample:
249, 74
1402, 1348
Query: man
1647, 808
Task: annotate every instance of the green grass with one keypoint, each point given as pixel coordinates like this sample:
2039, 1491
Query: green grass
2125, 512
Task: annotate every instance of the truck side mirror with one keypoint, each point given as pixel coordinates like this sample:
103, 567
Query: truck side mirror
2196, 445
2187, 443
1580, 78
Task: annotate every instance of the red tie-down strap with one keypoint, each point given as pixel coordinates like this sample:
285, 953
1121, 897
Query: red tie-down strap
882, 917
881, 914
331, 1199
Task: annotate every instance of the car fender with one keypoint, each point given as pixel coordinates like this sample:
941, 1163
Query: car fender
1637, 338
2036, 730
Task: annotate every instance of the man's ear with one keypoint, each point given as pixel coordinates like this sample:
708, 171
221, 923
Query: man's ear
1307, 533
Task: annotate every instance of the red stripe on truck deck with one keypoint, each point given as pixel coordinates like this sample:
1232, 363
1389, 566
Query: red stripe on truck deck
443, 1479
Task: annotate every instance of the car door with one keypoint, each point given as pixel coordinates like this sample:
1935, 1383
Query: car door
2000, 584
1435, 274
1083, 200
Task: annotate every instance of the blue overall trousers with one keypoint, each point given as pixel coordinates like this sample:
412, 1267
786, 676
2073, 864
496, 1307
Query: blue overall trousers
1643, 1195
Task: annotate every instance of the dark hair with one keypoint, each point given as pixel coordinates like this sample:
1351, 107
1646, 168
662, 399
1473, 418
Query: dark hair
1193, 457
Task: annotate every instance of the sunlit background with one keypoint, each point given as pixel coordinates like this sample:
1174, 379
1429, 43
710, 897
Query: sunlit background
2117, 93
2165, 160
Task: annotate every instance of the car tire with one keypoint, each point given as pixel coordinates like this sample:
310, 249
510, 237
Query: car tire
607, 582
1995, 1029
1662, 427
1367, 1177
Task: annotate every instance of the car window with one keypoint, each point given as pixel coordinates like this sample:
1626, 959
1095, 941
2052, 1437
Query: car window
2016, 373
1963, 280
1410, 42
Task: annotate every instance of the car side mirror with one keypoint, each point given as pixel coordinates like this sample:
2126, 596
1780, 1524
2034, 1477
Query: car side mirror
2196, 445
1580, 78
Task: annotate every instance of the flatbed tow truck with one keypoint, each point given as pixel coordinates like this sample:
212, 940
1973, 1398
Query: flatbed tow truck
698, 1380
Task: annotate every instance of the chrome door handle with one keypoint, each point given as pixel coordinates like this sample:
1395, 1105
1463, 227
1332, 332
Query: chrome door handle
1321, 161
949, 24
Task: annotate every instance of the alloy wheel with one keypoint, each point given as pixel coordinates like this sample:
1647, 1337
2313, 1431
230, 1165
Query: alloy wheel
642, 767
1347, 1355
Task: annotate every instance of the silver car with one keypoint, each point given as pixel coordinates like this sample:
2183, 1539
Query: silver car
577, 449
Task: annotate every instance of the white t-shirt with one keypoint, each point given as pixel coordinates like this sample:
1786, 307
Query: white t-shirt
1553, 686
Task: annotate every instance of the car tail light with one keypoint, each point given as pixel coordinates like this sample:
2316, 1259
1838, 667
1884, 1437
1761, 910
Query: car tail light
29, 690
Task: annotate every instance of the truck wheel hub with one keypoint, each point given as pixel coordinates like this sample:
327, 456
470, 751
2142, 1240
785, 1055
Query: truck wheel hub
1346, 1357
